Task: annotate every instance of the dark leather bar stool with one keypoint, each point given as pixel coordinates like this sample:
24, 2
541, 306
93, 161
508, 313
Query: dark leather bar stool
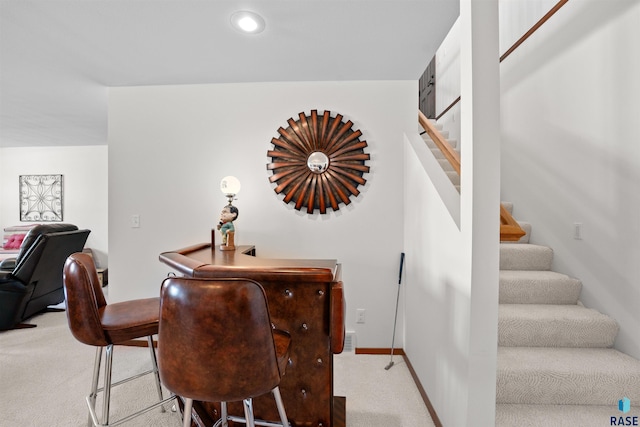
94, 322
216, 343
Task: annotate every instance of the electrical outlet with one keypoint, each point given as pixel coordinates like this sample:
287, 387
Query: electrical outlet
135, 221
360, 315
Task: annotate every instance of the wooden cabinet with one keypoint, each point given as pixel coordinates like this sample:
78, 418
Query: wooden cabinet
305, 298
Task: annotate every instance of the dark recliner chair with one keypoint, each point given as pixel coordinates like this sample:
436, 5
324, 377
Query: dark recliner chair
33, 280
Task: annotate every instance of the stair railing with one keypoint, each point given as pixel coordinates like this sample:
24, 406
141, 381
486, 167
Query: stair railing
449, 153
510, 230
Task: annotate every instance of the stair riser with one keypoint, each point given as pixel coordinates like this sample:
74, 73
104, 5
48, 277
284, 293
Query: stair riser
566, 376
566, 388
427, 139
439, 154
556, 333
453, 177
525, 257
445, 165
540, 293
509, 415
542, 287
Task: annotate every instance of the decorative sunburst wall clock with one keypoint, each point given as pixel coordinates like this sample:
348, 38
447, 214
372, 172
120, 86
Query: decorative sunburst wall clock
318, 161
41, 198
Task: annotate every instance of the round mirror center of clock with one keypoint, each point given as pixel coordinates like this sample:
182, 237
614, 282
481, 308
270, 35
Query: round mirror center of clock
317, 162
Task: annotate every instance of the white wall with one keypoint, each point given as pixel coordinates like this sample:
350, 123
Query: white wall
448, 82
452, 272
170, 146
571, 106
518, 16
85, 187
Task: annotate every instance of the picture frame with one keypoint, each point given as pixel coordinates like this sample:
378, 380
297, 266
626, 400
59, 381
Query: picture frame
41, 198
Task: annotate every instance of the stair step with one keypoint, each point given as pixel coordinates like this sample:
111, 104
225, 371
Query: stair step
510, 415
438, 154
566, 376
525, 256
541, 325
445, 165
444, 133
538, 287
453, 177
436, 124
432, 145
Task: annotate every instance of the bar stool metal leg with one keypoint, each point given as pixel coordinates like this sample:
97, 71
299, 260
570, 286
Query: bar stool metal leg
248, 412
186, 415
249, 417
94, 384
224, 414
107, 385
156, 373
280, 405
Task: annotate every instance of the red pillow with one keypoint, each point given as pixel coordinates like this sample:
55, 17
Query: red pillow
14, 241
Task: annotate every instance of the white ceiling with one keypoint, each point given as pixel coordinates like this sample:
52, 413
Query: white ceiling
58, 57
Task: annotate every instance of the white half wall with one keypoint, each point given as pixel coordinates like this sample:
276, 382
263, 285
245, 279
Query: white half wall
451, 313
85, 187
437, 286
170, 146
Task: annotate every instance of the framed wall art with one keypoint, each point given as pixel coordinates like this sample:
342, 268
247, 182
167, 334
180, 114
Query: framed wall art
318, 161
41, 198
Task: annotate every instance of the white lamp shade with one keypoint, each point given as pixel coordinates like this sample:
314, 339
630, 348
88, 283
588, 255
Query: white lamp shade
230, 186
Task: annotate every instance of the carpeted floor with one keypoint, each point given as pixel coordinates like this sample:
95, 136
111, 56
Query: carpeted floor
45, 375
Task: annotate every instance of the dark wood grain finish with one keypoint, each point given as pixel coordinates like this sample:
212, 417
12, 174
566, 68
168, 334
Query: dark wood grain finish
306, 299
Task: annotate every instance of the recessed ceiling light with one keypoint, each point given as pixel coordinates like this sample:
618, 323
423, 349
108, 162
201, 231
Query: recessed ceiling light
247, 22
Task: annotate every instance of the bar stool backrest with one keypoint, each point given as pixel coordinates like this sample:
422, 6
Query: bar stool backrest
215, 340
85, 298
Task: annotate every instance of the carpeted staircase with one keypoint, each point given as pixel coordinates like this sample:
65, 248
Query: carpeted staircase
444, 163
556, 363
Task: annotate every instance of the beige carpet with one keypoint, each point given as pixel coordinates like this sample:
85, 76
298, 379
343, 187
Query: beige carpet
45, 375
556, 363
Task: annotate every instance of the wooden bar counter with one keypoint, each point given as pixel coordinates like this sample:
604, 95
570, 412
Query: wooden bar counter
306, 299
